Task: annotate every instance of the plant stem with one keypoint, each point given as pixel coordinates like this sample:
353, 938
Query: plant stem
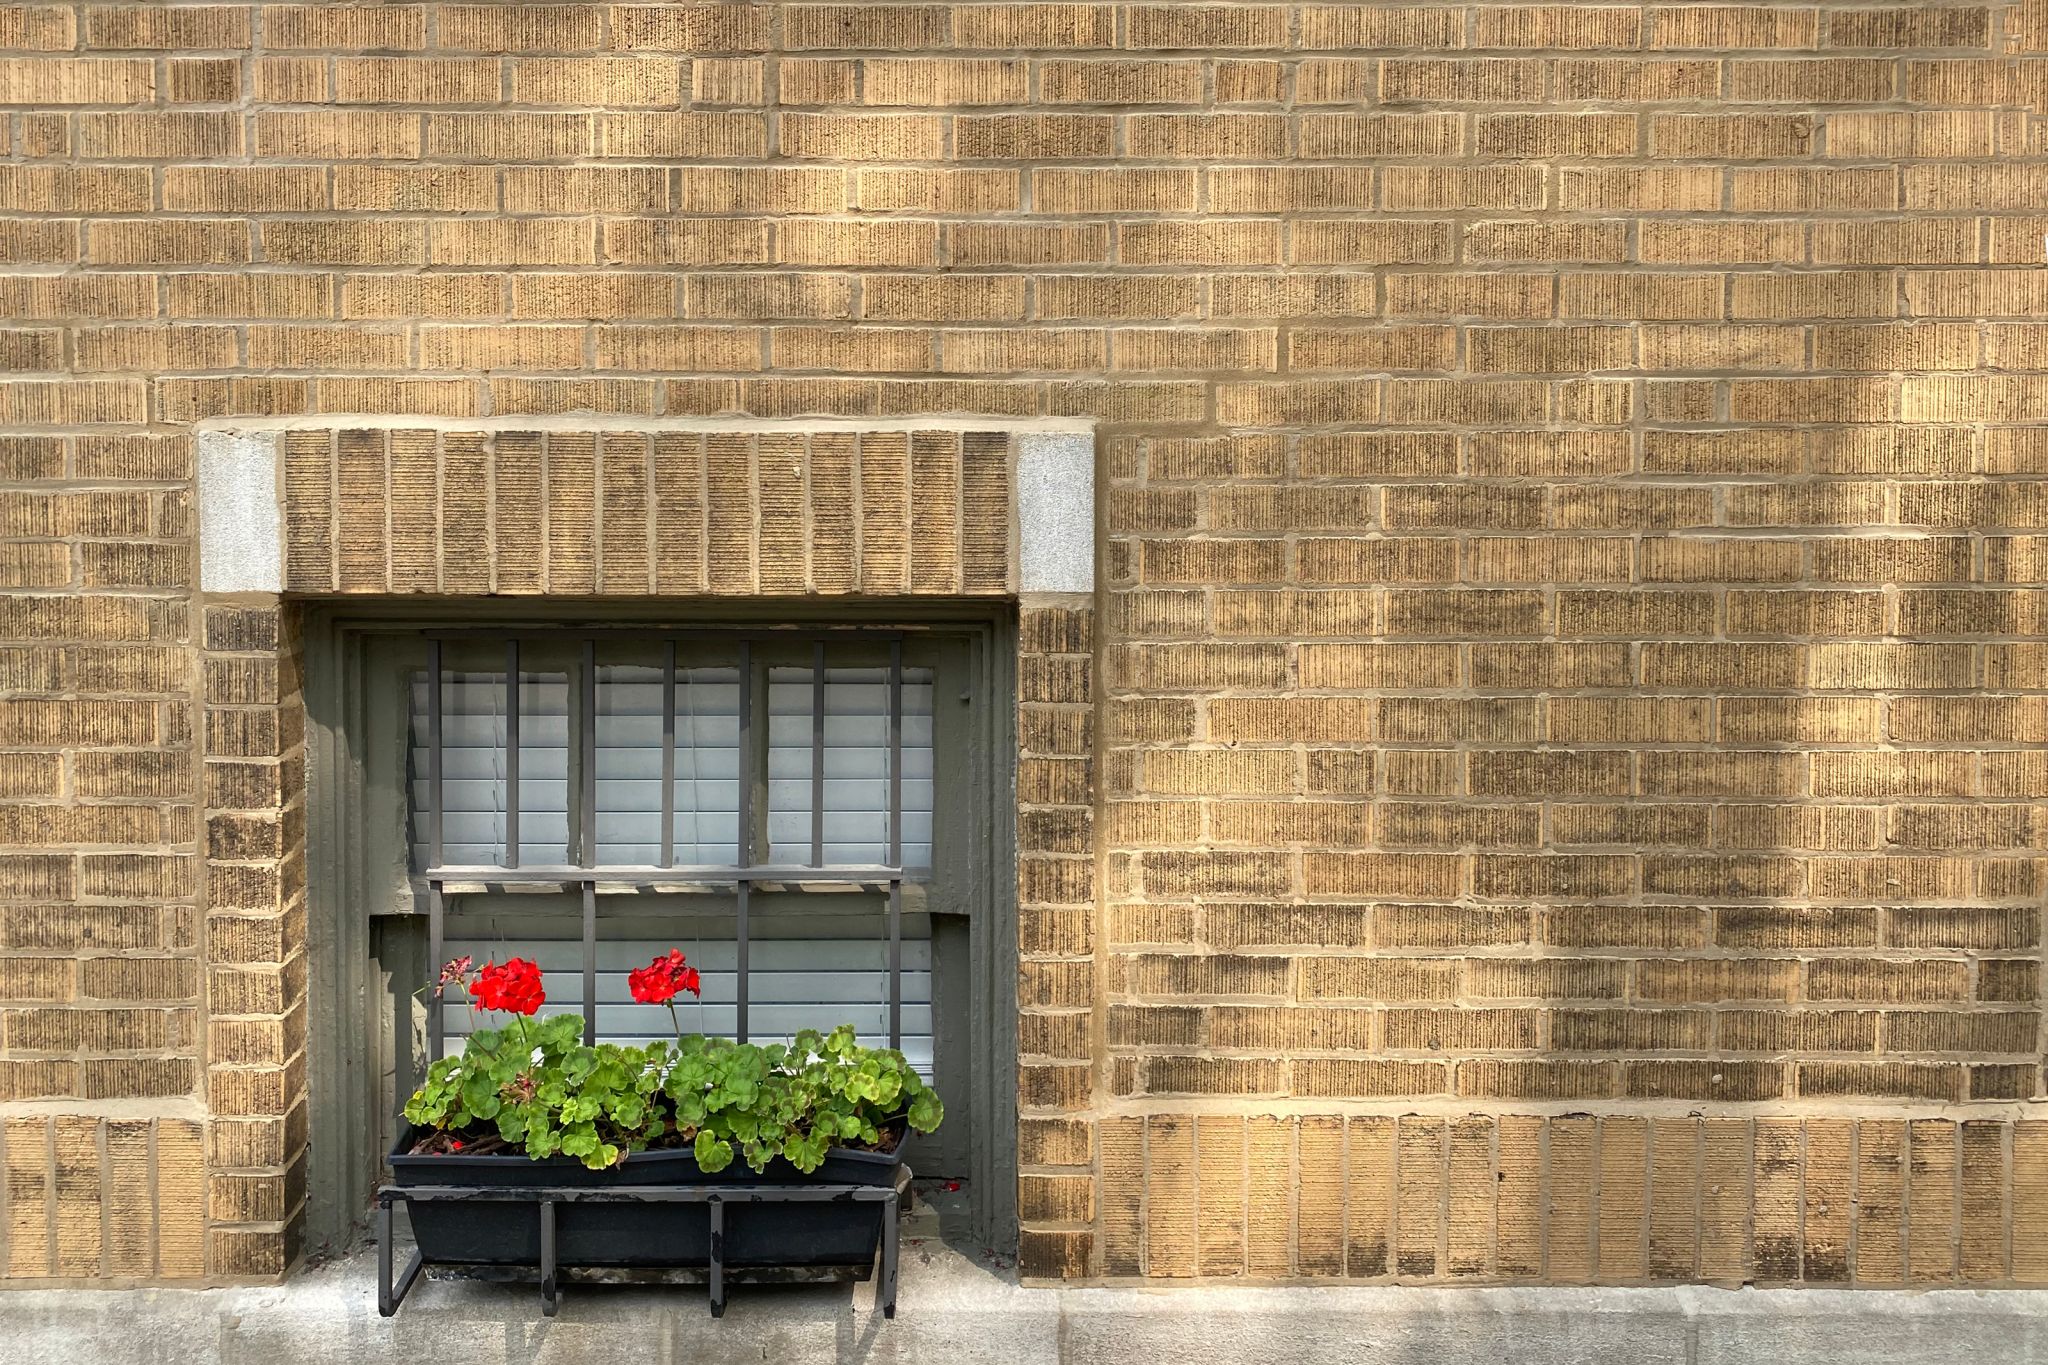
675, 1023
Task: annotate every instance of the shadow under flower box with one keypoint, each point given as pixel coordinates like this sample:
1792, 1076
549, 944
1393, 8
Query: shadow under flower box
656, 1210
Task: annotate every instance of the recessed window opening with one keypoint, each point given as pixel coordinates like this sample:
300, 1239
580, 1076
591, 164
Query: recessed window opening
818, 816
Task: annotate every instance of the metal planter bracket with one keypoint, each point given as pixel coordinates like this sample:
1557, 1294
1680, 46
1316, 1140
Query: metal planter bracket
721, 1199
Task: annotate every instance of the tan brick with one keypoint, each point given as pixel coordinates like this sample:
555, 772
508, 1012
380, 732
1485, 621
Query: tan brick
936, 191
1206, 137
76, 80
416, 80
362, 135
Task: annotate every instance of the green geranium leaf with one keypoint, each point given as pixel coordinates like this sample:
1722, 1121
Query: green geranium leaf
713, 1154
480, 1095
926, 1113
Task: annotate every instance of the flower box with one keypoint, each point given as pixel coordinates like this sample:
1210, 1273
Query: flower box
498, 1223
793, 1163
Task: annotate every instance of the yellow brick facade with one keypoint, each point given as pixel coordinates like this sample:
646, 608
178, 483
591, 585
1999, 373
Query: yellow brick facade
1550, 785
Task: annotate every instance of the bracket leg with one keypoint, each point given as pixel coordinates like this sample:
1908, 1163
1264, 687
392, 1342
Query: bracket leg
717, 1207
405, 1279
386, 1303
550, 1289
389, 1296
886, 1290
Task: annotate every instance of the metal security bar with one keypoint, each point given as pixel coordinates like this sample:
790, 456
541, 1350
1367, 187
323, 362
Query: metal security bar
587, 873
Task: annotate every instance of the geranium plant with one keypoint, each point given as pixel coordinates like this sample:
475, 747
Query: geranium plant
794, 1100
535, 1086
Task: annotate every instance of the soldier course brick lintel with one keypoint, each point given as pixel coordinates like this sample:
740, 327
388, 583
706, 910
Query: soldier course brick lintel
241, 504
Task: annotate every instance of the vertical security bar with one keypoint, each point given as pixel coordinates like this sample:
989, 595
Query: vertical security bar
437, 953
434, 801
667, 856
895, 963
587, 790
818, 754
896, 843
590, 964
740, 965
896, 753
586, 784
512, 753
746, 836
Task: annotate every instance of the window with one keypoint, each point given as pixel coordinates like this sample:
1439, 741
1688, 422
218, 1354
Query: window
587, 764
814, 814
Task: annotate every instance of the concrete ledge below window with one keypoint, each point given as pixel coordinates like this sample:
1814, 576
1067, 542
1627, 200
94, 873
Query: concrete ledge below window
960, 1308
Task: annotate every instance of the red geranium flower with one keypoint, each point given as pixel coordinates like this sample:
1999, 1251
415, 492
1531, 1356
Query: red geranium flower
658, 982
513, 987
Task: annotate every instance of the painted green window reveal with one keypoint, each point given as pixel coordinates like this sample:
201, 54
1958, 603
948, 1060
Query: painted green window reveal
577, 748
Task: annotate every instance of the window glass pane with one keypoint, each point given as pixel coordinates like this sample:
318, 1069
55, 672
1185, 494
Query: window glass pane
793, 983
629, 765
856, 766
473, 769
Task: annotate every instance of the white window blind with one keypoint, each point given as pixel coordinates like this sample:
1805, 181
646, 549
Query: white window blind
707, 784
474, 769
856, 765
707, 767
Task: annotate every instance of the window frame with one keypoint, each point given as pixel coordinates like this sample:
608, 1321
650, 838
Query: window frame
357, 878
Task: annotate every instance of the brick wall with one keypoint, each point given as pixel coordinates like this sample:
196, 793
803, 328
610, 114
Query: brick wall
1558, 741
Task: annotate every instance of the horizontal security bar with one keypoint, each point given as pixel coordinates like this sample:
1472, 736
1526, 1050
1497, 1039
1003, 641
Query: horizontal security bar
634, 1194
711, 872
655, 632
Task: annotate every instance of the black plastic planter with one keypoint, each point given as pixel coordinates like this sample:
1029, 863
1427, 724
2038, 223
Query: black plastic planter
658, 1209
